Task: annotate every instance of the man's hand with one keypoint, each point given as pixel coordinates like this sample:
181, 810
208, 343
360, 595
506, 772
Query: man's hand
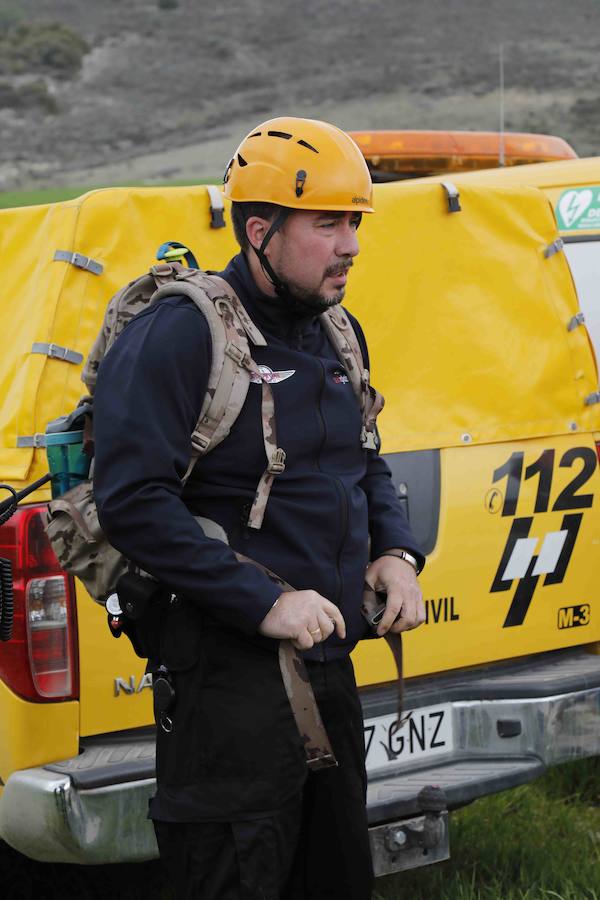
404, 599
304, 617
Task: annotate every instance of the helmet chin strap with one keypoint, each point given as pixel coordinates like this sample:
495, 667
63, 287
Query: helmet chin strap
295, 305
266, 266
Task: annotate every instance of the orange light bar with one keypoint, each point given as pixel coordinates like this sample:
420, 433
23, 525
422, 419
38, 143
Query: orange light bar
420, 152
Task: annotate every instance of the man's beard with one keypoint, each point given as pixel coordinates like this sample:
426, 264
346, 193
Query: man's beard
302, 302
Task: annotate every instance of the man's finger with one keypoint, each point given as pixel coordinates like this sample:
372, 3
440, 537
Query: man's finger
303, 641
326, 625
401, 625
411, 615
332, 612
394, 608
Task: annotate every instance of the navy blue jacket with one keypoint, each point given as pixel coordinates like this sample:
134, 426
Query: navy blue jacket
321, 510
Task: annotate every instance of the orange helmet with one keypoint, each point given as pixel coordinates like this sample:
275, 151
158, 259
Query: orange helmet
300, 164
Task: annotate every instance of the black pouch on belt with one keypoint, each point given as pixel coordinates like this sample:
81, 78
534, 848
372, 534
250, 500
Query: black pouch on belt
141, 600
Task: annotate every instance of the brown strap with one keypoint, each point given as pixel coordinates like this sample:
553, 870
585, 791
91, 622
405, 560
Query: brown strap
230, 372
163, 273
345, 343
275, 455
250, 328
231, 309
373, 609
298, 688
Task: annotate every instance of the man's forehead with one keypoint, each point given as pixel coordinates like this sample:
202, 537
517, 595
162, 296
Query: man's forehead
314, 216
329, 214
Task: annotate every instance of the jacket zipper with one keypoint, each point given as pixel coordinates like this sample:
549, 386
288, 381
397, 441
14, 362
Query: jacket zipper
343, 501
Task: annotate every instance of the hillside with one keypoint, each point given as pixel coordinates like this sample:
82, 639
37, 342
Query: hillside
167, 94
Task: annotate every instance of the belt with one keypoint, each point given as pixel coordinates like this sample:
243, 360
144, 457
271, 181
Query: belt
317, 746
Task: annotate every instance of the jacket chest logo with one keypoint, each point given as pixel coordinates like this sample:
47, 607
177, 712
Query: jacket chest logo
271, 377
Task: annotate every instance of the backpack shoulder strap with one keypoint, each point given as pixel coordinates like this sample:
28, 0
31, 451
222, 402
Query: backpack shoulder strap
122, 307
340, 332
229, 376
231, 331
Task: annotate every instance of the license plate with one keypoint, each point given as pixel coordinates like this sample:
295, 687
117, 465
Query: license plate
426, 733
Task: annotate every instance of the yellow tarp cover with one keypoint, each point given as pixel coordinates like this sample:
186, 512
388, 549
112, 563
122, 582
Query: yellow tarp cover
466, 318
54, 302
554, 178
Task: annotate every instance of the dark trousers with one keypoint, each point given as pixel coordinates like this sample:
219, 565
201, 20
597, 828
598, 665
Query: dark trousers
314, 846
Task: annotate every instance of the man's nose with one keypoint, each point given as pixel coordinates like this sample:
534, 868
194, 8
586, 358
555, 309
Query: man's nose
347, 244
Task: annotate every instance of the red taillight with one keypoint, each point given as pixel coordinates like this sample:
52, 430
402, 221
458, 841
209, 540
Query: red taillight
40, 660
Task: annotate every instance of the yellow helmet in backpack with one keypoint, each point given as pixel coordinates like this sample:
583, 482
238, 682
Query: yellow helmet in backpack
300, 164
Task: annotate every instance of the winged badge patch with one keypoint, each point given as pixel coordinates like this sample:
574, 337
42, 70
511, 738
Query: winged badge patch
271, 377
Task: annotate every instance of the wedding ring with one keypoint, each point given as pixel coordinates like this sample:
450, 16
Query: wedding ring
314, 631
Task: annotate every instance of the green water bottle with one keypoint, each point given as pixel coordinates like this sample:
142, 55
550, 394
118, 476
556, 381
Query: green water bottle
68, 463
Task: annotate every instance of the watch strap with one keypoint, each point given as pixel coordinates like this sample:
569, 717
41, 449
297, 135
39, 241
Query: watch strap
405, 555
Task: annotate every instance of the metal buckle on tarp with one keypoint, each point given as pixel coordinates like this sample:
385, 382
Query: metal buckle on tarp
555, 247
578, 319
592, 398
55, 351
453, 196
80, 261
217, 207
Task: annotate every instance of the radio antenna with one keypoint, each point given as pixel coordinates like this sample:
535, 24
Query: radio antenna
501, 154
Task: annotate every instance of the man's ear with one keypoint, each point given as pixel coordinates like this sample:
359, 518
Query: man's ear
256, 229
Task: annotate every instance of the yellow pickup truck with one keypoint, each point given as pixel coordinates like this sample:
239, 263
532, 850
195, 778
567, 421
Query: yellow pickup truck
490, 430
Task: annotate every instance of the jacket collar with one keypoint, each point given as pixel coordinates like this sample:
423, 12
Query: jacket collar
268, 313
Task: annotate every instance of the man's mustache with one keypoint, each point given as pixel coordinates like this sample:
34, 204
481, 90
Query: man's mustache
339, 270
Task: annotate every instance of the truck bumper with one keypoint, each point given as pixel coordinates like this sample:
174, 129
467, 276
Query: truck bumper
91, 809
511, 721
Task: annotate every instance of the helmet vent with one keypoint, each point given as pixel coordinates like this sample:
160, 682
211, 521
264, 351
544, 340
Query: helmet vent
280, 134
308, 146
256, 134
241, 160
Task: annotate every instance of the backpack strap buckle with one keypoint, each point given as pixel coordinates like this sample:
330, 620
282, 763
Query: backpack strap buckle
277, 462
368, 439
237, 354
200, 442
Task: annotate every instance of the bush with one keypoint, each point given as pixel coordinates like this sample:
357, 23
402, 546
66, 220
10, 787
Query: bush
10, 14
33, 95
53, 49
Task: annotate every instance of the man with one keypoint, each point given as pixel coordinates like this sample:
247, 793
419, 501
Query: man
236, 814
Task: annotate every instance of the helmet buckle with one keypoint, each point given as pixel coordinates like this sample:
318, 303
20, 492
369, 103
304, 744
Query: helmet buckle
300, 179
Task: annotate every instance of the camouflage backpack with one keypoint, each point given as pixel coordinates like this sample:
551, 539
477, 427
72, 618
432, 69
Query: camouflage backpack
73, 527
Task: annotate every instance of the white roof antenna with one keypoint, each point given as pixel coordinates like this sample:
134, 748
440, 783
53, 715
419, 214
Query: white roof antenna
501, 154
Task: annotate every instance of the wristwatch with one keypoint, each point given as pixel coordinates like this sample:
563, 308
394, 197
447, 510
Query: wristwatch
404, 554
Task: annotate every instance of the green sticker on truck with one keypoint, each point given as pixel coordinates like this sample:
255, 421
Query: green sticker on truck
578, 209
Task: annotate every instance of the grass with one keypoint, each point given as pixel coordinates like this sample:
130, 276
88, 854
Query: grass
538, 842
11, 199
535, 842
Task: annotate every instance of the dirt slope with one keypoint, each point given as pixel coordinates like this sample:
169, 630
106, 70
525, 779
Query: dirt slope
168, 95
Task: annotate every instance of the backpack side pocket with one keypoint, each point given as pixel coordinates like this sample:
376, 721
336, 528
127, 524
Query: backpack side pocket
80, 545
